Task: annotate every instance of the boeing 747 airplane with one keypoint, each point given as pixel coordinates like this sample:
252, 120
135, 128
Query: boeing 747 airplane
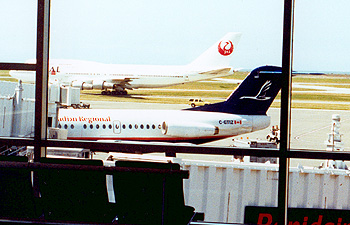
244, 111
114, 79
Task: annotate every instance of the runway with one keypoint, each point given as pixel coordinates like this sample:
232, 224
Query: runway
309, 128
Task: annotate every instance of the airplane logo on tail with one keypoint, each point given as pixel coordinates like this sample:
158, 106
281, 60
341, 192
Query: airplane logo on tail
225, 47
262, 93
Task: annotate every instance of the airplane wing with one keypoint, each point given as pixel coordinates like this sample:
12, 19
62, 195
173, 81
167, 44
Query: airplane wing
123, 82
220, 72
119, 84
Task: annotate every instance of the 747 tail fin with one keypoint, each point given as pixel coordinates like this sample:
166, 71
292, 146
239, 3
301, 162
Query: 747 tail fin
218, 55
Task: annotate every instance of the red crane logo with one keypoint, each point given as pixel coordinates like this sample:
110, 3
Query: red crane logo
225, 48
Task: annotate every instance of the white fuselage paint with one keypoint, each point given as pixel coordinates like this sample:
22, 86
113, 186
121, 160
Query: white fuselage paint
150, 125
141, 76
214, 62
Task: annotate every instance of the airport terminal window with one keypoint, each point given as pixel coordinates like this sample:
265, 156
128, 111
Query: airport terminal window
319, 116
308, 135
320, 96
19, 44
162, 39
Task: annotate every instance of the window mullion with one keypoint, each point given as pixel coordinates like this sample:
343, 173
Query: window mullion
42, 57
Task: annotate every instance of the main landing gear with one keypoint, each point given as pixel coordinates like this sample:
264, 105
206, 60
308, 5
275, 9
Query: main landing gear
114, 92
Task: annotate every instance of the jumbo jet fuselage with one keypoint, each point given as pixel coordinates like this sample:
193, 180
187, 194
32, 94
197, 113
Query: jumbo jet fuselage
143, 76
116, 78
133, 76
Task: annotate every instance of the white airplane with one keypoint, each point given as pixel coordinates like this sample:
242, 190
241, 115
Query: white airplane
115, 79
244, 111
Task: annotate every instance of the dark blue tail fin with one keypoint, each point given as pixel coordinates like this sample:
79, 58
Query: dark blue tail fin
253, 96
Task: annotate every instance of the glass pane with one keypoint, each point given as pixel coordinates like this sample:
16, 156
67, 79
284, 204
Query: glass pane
17, 109
320, 94
17, 44
325, 186
93, 38
18, 29
156, 38
318, 194
223, 191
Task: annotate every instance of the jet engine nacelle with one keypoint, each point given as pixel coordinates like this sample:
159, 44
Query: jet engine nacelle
188, 129
101, 84
96, 84
82, 85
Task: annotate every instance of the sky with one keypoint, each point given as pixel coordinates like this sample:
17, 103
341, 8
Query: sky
164, 32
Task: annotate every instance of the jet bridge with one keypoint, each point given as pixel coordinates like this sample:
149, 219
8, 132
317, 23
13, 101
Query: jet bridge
17, 106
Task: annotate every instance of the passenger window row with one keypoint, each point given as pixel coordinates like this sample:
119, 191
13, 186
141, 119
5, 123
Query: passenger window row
110, 126
142, 126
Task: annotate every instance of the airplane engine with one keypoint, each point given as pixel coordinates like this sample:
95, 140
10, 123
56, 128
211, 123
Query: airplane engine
188, 129
101, 84
82, 85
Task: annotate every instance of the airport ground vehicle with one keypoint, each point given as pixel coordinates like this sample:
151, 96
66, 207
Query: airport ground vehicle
193, 102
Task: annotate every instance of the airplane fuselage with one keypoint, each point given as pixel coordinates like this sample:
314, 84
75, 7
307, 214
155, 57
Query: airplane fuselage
244, 111
118, 78
157, 125
131, 76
